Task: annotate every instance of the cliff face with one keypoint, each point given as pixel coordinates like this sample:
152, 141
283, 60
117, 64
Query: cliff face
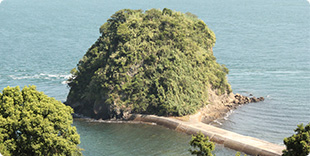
152, 62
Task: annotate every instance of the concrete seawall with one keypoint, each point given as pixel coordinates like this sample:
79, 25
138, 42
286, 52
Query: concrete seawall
231, 140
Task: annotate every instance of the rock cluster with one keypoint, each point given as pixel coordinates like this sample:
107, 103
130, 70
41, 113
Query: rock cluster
220, 106
240, 99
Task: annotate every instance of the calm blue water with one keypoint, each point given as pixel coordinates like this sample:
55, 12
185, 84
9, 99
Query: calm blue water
265, 44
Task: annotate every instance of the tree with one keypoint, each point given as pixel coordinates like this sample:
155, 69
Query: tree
202, 146
205, 147
31, 123
299, 143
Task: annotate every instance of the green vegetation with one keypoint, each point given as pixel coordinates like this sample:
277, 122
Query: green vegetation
32, 123
201, 145
239, 154
154, 62
299, 143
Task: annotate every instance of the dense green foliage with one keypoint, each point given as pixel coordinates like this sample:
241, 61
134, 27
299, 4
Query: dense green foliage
157, 62
299, 143
201, 145
32, 123
239, 154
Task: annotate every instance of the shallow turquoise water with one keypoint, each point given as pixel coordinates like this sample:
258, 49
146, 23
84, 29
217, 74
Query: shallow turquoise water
135, 139
265, 44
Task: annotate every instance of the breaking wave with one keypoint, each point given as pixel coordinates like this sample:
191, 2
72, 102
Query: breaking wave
217, 122
228, 114
41, 76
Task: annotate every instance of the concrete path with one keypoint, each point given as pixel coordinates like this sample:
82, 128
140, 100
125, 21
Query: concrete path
246, 144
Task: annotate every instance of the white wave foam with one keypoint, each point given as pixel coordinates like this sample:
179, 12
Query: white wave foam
65, 82
309, 3
228, 114
57, 75
23, 77
216, 121
41, 76
0, 3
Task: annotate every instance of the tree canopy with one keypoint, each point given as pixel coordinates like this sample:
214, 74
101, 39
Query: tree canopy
299, 143
31, 123
154, 62
201, 145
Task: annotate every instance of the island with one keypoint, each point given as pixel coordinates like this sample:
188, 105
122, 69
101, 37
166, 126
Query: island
156, 62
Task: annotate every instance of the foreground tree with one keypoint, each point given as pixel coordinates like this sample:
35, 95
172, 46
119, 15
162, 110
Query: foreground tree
201, 145
31, 123
299, 143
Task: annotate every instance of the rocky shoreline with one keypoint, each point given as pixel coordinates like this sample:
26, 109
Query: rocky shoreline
218, 108
111, 121
240, 99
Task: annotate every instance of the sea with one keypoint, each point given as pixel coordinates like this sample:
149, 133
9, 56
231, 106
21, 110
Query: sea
264, 43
